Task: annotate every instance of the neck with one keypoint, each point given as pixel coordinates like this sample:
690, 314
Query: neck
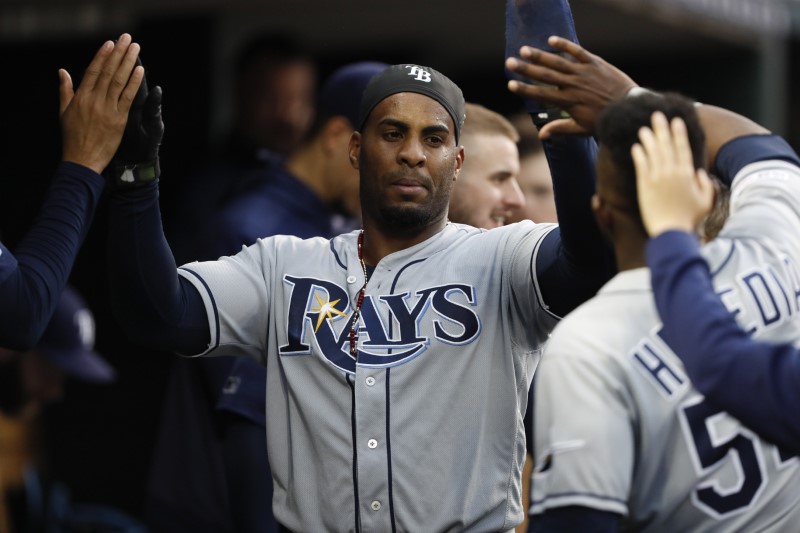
378, 243
629, 250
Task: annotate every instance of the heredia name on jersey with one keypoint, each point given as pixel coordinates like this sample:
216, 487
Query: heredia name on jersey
390, 327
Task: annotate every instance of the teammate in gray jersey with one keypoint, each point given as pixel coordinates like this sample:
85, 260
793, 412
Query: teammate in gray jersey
622, 439
398, 357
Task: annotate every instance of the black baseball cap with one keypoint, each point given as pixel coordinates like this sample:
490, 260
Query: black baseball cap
68, 341
414, 79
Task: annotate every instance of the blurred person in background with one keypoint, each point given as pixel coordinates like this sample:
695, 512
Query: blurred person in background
274, 98
486, 192
29, 382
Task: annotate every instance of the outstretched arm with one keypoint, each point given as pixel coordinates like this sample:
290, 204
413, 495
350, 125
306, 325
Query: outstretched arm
93, 118
584, 84
574, 261
154, 305
720, 358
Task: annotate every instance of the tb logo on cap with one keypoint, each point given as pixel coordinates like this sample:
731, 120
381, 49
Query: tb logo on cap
421, 75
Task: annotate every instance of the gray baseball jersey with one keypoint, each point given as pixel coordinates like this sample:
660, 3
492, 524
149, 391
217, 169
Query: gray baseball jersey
618, 425
425, 429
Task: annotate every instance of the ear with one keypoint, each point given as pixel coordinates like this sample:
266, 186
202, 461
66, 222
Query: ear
333, 132
354, 149
602, 215
460, 156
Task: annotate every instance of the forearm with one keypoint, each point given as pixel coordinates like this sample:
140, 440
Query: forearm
153, 304
46, 254
720, 358
572, 269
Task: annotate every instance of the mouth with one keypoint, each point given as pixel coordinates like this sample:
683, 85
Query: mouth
500, 218
409, 186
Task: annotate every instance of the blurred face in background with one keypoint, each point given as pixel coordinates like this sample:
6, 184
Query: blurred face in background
537, 187
277, 102
487, 193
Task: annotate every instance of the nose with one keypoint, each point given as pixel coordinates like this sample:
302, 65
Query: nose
412, 153
512, 194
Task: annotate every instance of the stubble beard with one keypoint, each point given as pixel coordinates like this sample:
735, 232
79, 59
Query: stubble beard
409, 220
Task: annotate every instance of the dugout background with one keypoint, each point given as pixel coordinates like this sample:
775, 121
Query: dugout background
741, 54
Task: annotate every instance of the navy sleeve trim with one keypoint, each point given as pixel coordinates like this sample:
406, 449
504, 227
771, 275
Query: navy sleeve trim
742, 151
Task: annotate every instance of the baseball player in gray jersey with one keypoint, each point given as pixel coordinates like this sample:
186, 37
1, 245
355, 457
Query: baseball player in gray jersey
398, 357
622, 439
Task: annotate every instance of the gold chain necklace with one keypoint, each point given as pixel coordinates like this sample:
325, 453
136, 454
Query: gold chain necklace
360, 300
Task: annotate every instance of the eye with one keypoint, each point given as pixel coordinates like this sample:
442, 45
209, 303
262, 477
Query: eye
435, 140
392, 135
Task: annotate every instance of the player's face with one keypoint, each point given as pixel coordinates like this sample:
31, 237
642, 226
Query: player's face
408, 161
277, 108
537, 187
487, 192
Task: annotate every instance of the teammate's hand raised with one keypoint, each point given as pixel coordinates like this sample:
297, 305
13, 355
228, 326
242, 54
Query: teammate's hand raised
579, 82
672, 194
93, 117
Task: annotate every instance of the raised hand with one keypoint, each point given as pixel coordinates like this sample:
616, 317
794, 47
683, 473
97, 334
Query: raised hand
672, 194
93, 117
136, 161
573, 79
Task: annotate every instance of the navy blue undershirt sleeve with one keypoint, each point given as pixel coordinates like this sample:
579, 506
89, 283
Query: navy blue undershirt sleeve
574, 261
33, 278
757, 382
741, 151
155, 306
574, 519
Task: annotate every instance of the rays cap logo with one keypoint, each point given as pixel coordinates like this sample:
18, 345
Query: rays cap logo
414, 79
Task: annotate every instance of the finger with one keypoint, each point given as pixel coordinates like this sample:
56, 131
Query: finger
664, 151
537, 73
680, 140
543, 93
647, 139
547, 59
641, 165
573, 49
96, 66
65, 90
129, 92
112, 63
122, 76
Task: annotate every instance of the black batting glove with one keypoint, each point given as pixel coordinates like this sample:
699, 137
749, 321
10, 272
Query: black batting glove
136, 161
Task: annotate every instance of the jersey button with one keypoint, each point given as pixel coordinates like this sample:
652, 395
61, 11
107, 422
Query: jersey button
376, 505
372, 443
370, 381
351, 279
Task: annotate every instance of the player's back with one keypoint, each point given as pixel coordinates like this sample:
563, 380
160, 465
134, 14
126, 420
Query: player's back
755, 261
623, 430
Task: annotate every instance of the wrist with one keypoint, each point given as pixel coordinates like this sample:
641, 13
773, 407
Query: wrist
654, 229
637, 91
133, 175
94, 166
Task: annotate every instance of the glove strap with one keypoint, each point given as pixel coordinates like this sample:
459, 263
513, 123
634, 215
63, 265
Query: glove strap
134, 175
